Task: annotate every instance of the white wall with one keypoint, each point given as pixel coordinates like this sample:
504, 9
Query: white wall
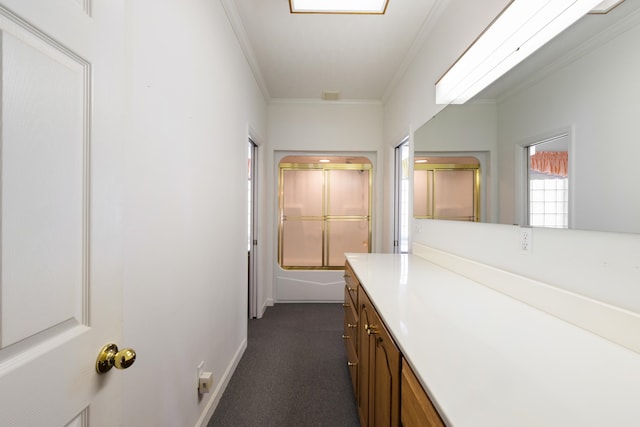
319, 127
602, 265
185, 286
597, 97
455, 25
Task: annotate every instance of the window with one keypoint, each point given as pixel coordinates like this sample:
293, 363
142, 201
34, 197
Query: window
548, 183
325, 210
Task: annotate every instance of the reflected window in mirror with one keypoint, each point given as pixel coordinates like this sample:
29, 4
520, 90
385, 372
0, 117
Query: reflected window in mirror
446, 188
548, 183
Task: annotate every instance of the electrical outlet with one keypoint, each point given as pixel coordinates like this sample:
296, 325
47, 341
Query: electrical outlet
526, 240
205, 382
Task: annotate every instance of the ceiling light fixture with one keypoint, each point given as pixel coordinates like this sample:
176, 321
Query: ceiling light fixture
338, 6
517, 32
606, 6
324, 161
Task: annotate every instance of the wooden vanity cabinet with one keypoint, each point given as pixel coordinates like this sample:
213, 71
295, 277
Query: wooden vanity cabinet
387, 391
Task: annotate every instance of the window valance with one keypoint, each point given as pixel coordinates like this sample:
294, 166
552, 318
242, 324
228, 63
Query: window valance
551, 162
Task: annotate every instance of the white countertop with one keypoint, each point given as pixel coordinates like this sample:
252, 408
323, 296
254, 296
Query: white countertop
486, 359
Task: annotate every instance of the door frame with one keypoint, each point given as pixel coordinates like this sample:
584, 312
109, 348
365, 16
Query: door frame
397, 195
253, 229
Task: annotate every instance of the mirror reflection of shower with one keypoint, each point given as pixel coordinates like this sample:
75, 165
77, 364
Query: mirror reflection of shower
446, 188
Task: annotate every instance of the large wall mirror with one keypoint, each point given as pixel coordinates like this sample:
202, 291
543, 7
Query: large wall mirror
566, 118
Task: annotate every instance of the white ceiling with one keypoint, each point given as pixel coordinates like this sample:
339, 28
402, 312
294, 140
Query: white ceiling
298, 56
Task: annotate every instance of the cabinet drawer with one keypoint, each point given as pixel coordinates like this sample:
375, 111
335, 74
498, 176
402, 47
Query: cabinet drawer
351, 284
350, 333
350, 303
416, 407
352, 363
350, 340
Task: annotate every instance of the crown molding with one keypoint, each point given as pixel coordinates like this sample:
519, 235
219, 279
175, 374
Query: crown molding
424, 32
231, 10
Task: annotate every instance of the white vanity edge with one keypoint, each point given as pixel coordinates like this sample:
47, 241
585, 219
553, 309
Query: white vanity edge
613, 323
487, 359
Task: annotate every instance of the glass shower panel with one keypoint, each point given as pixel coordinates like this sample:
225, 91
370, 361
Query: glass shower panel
454, 194
420, 193
348, 192
302, 193
346, 236
302, 243
313, 197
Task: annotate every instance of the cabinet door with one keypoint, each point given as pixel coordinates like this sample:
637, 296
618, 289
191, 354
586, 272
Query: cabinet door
384, 382
364, 350
416, 408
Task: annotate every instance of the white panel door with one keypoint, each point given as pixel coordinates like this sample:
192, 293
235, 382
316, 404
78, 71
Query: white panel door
61, 113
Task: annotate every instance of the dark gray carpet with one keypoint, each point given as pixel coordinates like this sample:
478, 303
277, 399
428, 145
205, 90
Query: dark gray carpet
293, 373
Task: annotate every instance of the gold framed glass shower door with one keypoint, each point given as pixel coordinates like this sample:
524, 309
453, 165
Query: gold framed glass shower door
447, 191
325, 211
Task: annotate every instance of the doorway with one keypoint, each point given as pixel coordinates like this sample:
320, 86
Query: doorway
401, 199
252, 215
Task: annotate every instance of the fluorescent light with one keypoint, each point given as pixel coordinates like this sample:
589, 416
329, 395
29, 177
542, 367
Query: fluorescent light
606, 6
520, 30
338, 6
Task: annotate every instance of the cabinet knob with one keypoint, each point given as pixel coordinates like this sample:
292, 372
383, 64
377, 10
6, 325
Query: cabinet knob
351, 363
372, 331
345, 337
346, 305
352, 289
352, 325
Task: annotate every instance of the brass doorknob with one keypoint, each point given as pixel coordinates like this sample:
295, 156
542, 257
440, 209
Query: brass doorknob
109, 357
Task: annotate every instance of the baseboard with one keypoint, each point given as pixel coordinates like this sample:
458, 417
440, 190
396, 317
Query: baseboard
610, 322
212, 404
267, 303
308, 301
